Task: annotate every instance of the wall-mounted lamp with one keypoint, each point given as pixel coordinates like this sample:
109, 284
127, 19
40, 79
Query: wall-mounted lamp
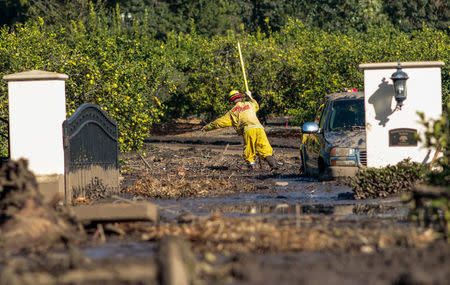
399, 78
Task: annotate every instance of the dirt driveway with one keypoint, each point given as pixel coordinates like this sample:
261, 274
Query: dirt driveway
236, 226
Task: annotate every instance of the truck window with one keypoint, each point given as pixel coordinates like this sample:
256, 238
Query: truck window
319, 114
323, 116
347, 114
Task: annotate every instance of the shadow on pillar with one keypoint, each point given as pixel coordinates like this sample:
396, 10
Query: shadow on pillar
381, 100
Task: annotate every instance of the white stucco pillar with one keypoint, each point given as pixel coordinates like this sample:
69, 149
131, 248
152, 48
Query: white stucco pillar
389, 130
37, 110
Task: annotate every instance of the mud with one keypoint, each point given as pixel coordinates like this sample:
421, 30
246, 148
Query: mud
238, 226
26, 223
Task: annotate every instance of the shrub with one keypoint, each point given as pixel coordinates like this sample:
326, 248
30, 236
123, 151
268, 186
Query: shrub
431, 202
437, 138
382, 182
114, 69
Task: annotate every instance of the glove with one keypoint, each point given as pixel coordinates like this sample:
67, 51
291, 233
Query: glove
205, 128
249, 94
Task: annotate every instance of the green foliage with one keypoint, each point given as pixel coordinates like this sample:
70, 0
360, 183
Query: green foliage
13, 11
332, 15
437, 138
382, 182
120, 72
431, 209
290, 71
139, 80
410, 15
434, 210
218, 17
62, 12
24, 48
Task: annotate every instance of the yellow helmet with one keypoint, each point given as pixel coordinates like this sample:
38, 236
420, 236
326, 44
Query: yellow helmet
234, 94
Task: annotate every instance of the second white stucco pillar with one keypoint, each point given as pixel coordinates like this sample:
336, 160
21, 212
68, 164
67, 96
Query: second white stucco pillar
384, 122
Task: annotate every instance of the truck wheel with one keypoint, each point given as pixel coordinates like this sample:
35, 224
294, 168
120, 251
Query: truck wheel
321, 165
324, 172
303, 164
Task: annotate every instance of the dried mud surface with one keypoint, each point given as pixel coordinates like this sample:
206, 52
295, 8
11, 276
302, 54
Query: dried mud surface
238, 226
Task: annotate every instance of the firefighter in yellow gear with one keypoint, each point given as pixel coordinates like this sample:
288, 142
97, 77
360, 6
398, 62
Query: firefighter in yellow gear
244, 120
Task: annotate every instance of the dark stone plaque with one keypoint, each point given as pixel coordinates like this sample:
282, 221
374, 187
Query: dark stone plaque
403, 137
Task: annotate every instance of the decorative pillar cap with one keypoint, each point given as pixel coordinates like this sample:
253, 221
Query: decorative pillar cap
389, 65
34, 75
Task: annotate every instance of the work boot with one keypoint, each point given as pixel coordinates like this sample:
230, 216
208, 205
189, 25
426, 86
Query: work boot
251, 165
271, 161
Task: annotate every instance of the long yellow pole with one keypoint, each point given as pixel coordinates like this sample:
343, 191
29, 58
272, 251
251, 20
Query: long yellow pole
243, 68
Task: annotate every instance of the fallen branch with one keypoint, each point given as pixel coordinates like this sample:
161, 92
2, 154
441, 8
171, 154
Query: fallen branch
146, 163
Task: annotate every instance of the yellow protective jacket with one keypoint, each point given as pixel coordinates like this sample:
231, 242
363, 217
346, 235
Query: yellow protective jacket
242, 117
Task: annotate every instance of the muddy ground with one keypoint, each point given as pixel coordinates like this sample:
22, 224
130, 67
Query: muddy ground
236, 226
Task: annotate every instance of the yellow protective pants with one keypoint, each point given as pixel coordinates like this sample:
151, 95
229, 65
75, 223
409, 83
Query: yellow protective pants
256, 142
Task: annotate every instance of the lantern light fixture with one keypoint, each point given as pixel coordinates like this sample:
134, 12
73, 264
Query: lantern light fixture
399, 79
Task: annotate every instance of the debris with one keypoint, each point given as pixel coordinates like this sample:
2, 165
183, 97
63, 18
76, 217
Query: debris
221, 234
81, 200
110, 274
95, 190
27, 224
145, 161
113, 228
367, 249
99, 234
210, 257
281, 208
139, 211
176, 261
176, 187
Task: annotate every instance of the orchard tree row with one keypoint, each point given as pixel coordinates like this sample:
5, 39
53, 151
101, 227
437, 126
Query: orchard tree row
213, 17
140, 80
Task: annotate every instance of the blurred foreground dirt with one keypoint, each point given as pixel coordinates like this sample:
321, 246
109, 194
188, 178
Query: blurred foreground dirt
212, 232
